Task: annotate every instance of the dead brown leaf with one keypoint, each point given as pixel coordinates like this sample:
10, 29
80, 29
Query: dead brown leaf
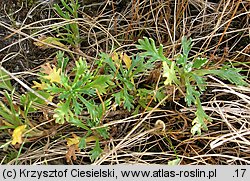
72, 152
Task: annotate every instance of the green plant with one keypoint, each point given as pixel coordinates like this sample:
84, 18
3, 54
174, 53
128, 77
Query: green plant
10, 112
124, 90
15, 112
70, 33
114, 79
82, 89
11, 155
189, 76
15, 115
5, 81
77, 90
